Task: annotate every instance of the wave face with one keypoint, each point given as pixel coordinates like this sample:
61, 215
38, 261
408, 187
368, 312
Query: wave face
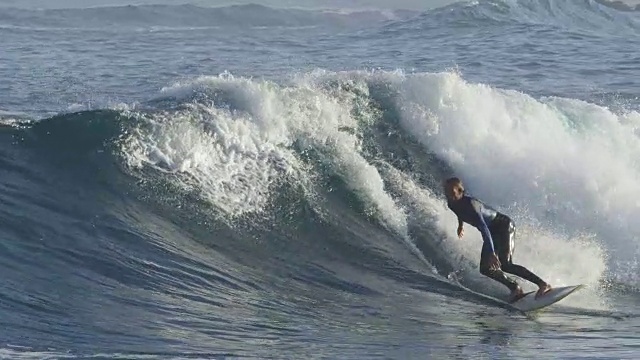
242, 138
283, 194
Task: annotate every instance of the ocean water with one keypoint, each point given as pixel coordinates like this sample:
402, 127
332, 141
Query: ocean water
183, 182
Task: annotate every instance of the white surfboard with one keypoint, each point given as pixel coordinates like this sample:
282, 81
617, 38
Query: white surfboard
530, 303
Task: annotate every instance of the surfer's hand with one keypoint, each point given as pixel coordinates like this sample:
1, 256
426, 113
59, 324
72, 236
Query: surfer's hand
494, 262
460, 232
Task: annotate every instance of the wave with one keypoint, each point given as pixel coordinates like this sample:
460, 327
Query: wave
322, 185
385, 140
369, 131
298, 196
584, 16
192, 17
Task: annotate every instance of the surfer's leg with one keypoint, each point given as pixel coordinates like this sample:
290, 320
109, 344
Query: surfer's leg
497, 274
506, 239
524, 273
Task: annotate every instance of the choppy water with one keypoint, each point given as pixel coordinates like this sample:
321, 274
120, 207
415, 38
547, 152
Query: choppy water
244, 181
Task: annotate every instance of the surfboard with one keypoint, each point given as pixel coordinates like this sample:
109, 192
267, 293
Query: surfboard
529, 302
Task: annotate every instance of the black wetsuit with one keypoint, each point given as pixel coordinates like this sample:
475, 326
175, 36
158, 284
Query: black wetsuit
498, 234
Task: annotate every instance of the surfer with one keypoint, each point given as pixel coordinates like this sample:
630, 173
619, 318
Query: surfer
498, 233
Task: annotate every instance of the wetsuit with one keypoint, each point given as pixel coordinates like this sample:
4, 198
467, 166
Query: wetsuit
498, 233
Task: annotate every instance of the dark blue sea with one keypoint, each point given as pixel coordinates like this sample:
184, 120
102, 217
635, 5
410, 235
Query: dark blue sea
244, 181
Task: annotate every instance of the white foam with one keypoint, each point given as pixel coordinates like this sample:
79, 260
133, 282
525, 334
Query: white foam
236, 147
562, 167
336, 114
230, 162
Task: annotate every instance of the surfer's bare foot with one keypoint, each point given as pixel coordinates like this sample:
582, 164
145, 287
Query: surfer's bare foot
516, 294
544, 288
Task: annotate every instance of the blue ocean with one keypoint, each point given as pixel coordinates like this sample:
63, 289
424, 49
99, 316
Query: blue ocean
247, 181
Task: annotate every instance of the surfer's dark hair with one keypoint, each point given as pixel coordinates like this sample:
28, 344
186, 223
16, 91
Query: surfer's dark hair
453, 182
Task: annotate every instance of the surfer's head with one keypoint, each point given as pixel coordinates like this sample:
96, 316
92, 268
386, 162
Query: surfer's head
453, 189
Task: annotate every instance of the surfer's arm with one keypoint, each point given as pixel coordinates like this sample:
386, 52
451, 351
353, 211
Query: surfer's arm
484, 229
486, 235
460, 228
